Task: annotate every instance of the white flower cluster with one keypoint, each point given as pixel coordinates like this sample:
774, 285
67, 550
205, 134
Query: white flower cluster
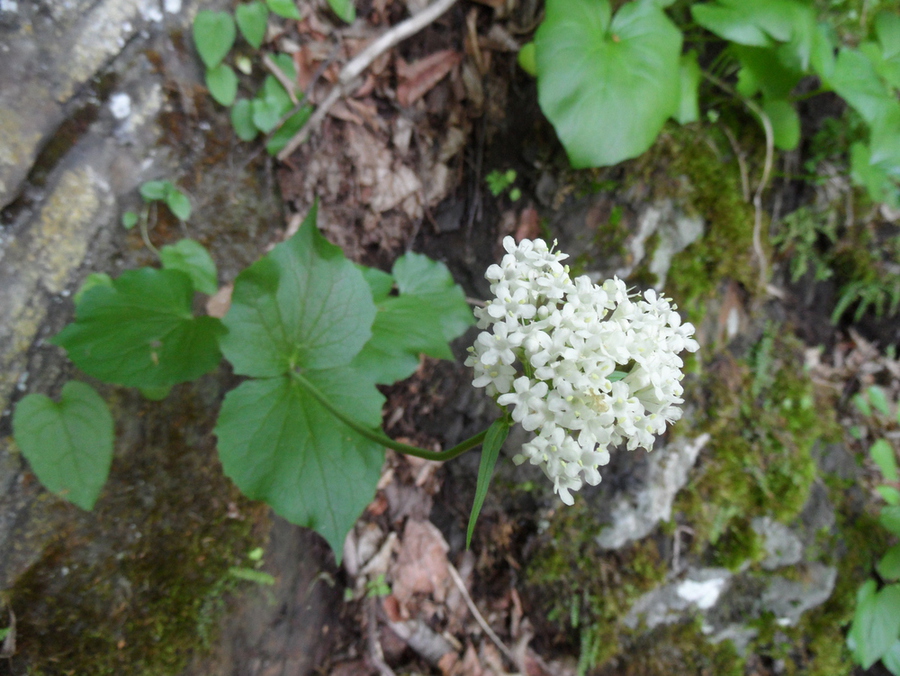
586, 367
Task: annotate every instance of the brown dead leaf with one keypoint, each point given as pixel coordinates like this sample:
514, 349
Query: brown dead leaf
217, 305
421, 566
391, 183
418, 78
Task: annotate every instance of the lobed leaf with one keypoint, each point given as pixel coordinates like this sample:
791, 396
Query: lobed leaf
281, 446
69, 445
140, 332
303, 305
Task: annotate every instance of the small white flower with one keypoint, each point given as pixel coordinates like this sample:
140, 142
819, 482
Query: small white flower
585, 367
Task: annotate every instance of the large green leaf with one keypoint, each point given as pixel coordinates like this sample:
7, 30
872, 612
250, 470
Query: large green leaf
279, 445
214, 34
193, 259
857, 81
762, 70
891, 659
70, 444
302, 305
785, 123
140, 331
607, 86
407, 324
876, 622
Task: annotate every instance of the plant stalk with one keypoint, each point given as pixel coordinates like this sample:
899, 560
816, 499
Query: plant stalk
381, 438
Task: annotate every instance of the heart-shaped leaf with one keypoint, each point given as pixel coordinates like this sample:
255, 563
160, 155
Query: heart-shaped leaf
69, 445
302, 305
251, 20
178, 204
876, 622
214, 35
222, 84
140, 331
607, 86
284, 8
345, 9
270, 105
153, 191
281, 446
242, 120
192, 258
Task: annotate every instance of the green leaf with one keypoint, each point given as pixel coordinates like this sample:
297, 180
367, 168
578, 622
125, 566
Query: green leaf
192, 258
92, 280
129, 220
251, 20
287, 131
887, 28
890, 519
281, 446
302, 305
284, 8
153, 191
140, 332
222, 84
891, 659
883, 455
785, 123
214, 34
527, 59
344, 9
380, 282
763, 70
490, 451
242, 120
889, 494
428, 313
270, 105
607, 86
178, 204
856, 80
69, 445
862, 404
879, 399
876, 622
688, 108
889, 565
285, 63
822, 57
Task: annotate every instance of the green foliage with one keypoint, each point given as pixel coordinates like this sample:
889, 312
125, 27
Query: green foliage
284, 8
490, 451
607, 83
876, 624
803, 234
140, 331
129, 220
69, 445
222, 84
251, 20
214, 35
194, 260
499, 181
345, 9
165, 191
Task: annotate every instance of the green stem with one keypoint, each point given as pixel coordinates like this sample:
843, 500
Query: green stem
380, 438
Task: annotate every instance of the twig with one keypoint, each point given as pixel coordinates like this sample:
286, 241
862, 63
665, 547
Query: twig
763, 182
478, 616
376, 654
289, 85
349, 74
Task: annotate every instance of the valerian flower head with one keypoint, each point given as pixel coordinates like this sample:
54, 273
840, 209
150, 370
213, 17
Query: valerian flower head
584, 367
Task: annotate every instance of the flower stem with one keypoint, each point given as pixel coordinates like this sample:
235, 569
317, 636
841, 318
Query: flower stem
381, 438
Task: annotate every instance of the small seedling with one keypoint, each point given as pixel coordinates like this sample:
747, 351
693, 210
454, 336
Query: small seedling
500, 181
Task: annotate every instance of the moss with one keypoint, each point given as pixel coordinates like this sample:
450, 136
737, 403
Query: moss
763, 420
138, 585
583, 590
700, 181
680, 650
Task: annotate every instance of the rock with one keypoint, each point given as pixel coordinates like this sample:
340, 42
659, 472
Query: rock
635, 515
783, 546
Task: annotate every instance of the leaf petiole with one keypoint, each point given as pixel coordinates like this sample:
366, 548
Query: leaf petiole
380, 438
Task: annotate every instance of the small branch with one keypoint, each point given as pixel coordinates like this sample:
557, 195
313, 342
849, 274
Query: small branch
354, 68
458, 581
281, 76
